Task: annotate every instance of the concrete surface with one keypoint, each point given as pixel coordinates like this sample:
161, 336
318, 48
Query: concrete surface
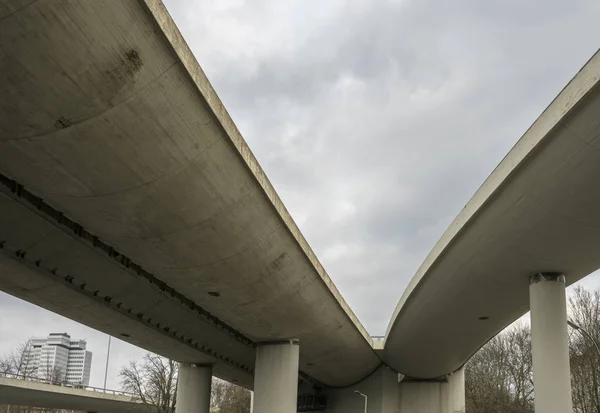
386, 394
436, 396
106, 115
50, 289
276, 377
29, 393
381, 389
538, 211
384, 391
550, 344
130, 202
193, 389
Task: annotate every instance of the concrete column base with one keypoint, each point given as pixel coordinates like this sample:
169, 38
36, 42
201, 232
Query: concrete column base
276, 377
550, 343
193, 389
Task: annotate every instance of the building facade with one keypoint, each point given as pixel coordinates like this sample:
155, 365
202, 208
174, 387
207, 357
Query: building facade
60, 359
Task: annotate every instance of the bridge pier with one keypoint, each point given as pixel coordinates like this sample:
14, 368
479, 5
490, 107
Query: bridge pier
193, 389
276, 377
550, 343
434, 396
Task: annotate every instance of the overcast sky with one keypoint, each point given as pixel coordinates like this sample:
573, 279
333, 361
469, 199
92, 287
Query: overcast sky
376, 121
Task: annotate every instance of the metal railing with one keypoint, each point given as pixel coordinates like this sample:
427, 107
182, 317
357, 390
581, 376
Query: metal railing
65, 384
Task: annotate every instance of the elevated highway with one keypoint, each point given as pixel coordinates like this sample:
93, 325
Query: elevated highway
21, 392
539, 210
140, 209
130, 202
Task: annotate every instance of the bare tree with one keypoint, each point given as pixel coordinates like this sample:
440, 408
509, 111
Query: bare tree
20, 361
519, 365
21, 364
498, 378
485, 380
153, 380
5, 366
54, 375
228, 398
50, 372
584, 309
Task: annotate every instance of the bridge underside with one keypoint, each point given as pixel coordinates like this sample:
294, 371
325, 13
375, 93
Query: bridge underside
128, 188
538, 211
130, 202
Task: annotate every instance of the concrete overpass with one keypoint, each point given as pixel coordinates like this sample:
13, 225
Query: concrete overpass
31, 393
130, 202
177, 241
539, 210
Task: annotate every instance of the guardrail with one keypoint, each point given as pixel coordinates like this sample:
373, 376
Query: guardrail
65, 384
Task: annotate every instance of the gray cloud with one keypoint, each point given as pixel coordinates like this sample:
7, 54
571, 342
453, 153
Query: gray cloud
376, 121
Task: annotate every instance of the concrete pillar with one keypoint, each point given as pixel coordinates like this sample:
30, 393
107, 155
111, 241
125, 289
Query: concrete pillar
550, 343
456, 391
193, 389
381, 388
276, 377
445, 395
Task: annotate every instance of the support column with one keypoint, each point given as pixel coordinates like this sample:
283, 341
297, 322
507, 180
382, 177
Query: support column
456, 391
550, 343
193, 389
446, 395
276, 377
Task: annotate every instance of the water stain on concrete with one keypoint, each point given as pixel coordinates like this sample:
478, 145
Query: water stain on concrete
133, 62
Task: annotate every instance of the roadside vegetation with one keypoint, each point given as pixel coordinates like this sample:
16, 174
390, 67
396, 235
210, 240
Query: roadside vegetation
499, 377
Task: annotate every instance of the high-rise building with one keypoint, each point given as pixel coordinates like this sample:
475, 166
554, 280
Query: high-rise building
60, 359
